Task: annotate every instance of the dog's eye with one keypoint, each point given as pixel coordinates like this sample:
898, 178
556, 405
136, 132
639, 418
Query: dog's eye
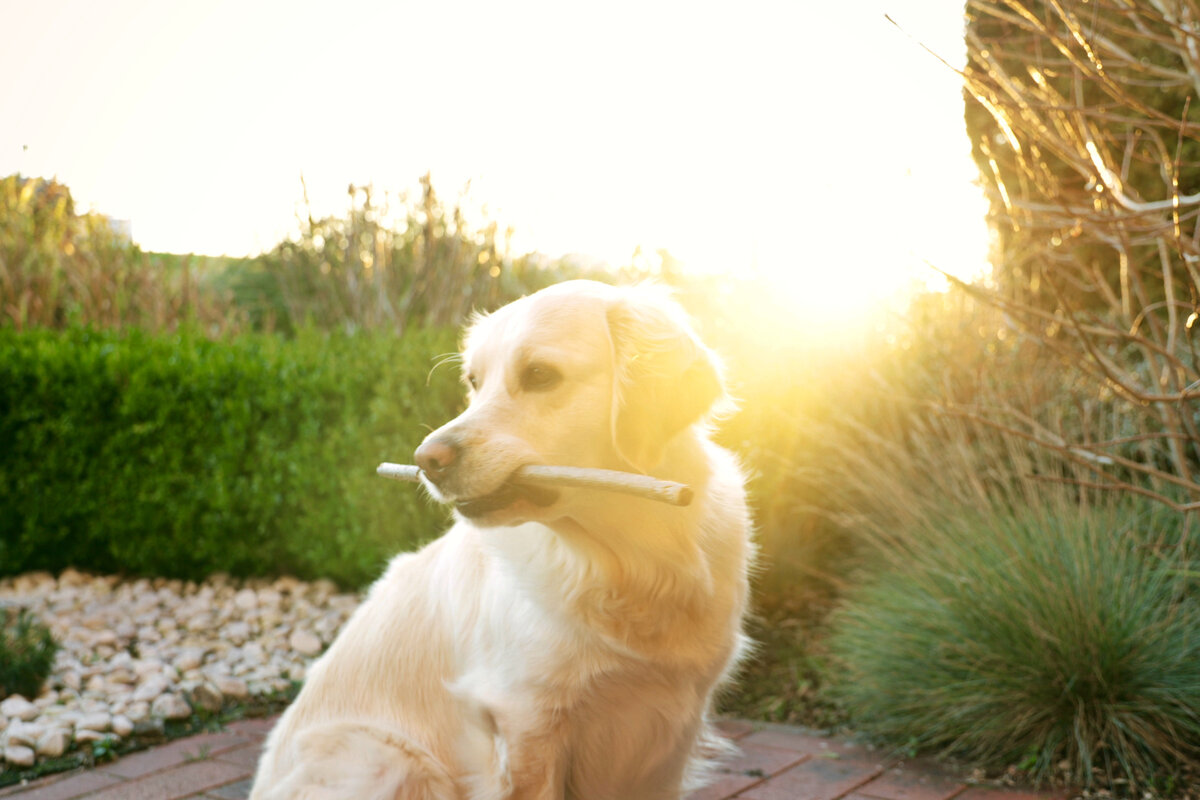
471, 379
539, 378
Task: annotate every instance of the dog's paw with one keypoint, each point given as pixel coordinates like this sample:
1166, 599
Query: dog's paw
355, 761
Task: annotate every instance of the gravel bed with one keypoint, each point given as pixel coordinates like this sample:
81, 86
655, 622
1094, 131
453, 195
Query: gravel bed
138, 652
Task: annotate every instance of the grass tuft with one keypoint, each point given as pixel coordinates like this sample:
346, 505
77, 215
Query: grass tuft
26, 654
1062, 640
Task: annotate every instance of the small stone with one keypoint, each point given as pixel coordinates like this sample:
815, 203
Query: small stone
83, 736
102, 638
207, 697
237, 632
328, 624
189, 658
19, 756
199, 622
72, 577
96, 721
68, 717
148, 666
22, 734
91, 623
323, 588
34, 582
17, 707
121, 676
170, 706
53, 743
151, 687
122, 725
232, 687
246, 599
253, 654
288, 584
304, 642
149, 728
269, 597
138, 711
91, 705
46, 700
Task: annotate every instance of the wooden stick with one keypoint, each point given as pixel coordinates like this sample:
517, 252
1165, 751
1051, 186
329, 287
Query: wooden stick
676, 494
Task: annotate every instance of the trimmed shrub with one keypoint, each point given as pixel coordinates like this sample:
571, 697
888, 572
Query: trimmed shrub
26, 654
1032, 638
177, 456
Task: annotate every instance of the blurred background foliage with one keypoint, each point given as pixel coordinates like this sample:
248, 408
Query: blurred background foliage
977, 511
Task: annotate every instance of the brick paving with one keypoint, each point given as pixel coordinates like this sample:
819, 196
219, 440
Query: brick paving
776, 763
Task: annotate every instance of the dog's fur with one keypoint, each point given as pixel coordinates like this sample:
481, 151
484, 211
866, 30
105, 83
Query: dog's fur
558, 646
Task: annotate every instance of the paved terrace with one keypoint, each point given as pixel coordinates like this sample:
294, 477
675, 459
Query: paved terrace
776, 763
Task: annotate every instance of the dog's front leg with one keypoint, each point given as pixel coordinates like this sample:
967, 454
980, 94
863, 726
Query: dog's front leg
537, 761
508, 750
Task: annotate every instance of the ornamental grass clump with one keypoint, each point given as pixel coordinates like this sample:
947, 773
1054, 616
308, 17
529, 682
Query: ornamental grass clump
26, 654
1064, 641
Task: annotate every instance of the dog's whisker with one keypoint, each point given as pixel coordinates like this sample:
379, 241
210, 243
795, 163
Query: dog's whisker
442, 360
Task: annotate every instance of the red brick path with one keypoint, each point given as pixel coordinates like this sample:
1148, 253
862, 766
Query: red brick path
776, 764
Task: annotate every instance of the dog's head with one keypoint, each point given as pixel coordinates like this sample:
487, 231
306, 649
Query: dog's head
580, 374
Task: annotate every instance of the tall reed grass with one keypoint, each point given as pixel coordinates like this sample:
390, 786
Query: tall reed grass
58, 268
390, 264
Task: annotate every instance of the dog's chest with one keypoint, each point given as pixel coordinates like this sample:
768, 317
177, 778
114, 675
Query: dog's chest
614, 726
539, 669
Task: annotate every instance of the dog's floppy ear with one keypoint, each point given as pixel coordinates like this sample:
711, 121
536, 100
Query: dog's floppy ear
665, 379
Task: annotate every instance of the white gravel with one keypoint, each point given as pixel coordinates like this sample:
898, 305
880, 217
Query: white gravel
137, 652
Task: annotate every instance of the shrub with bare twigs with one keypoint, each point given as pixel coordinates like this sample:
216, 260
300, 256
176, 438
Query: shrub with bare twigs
1084, 118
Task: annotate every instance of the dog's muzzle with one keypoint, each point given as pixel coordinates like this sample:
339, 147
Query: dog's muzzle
440, 460
505, 496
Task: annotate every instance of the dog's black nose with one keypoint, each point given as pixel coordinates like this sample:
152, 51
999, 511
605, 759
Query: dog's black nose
435, 456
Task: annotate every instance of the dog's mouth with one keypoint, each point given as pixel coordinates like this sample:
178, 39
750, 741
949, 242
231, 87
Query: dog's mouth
505, 496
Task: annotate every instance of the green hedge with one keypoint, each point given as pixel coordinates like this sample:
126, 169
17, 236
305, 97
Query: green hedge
177, 456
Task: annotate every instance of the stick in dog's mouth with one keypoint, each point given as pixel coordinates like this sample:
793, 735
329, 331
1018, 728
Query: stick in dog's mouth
505, 496
532, 482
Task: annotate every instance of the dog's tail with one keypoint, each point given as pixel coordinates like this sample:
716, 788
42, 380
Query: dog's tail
359, 761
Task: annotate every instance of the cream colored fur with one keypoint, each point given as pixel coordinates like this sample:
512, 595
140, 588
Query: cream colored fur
561, 651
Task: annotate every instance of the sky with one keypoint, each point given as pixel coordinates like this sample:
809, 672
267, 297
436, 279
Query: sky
814, 143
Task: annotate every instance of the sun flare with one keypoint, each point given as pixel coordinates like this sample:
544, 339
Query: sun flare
821, 151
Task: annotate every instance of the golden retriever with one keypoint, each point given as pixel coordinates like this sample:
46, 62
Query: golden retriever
553, 643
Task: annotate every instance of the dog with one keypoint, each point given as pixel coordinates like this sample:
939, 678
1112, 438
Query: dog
560, 643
